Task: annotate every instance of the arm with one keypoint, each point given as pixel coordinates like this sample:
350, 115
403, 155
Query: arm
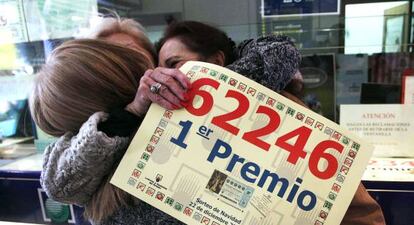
363, 210
271, 61
75, 166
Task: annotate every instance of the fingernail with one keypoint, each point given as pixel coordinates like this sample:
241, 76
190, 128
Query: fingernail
184, 104
176, 107
186, 97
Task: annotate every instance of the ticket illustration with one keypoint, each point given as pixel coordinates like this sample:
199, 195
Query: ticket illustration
230, 189
242, 154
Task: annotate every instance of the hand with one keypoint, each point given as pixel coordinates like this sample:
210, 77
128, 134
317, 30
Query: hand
171, 95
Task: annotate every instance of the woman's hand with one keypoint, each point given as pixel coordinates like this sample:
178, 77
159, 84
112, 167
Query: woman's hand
172, 94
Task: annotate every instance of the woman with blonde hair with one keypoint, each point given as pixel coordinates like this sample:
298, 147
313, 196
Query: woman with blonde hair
80, 83
127, 32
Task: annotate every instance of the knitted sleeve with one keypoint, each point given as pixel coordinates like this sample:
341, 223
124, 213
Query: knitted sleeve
271, 61
74, 166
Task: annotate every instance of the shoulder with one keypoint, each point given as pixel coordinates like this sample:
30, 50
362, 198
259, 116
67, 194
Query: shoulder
293, 98
266, 43
67, 163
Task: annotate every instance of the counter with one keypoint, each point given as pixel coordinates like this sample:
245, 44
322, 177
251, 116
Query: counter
22, 198
390, 181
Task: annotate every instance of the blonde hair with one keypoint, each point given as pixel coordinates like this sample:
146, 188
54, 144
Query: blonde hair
110, 25
82, 77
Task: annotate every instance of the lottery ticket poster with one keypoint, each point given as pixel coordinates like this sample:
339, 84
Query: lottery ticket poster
242, 154
407, 89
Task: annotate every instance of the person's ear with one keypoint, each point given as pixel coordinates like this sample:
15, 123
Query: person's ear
218, 58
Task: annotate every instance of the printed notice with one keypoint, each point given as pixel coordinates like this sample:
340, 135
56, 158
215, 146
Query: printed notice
389, 127
12, 26
408, 90
242, 154
390, 170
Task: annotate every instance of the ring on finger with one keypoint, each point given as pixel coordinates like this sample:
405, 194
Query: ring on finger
155, 88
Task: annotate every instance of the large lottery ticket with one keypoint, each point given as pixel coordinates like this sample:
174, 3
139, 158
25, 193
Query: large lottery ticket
242, 154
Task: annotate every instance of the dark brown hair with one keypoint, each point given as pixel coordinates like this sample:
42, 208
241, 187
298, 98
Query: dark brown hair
200, 38
109, 26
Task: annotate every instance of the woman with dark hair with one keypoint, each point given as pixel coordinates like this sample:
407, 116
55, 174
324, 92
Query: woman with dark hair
272, 61
205, 40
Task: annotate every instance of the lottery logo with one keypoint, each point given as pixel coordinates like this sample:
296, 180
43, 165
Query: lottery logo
345, 140
318, 222
213, 73
328, 131
223, 77
159, 196
233, 82
154, 139
195, 68
260, 96
197, 216
323, 215
348, 162
145, 156
150, 148
327, 205
158, 131
290, 111
190, 74
355, 146
251, 91
344, 170
300, 116
336, 136
340, 178
141, 186
150, 191
169, 201
309, 121
188, 211
205, 220
178, 206
270, 101
168, 114
136, 173
336, 188
332, 196
204, 70
280, 106
141, 165
132, 181
242, 87
163, 123
352, 154
319, 125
